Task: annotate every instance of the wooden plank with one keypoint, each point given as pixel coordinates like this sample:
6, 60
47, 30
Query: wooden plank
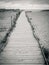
22, 53
32, 48
21, 64
22, 61
21, 57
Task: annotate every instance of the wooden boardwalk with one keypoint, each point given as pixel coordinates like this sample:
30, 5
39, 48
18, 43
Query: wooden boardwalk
22, 47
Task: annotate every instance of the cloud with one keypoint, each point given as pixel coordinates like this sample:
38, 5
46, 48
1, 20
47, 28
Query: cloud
24, 4
41, 6
40, 1
31, 1
4, 4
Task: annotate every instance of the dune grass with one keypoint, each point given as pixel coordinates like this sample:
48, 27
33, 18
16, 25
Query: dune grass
39, 21
7, 20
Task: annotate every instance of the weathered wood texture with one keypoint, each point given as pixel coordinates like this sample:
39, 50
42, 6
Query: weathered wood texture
22, 47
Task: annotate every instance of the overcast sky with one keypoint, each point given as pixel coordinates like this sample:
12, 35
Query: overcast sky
28, 4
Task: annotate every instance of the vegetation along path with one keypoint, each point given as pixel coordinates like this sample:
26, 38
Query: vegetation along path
22, 47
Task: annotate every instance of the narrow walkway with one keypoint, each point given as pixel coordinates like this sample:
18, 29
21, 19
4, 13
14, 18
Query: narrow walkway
22, 47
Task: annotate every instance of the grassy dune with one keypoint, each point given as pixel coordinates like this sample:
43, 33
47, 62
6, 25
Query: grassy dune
7, 23
39, 21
